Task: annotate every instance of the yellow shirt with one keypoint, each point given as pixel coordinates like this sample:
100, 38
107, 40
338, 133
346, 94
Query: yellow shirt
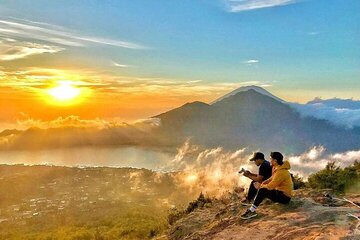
281, 180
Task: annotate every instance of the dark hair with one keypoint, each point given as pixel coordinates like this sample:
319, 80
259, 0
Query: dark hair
278, 157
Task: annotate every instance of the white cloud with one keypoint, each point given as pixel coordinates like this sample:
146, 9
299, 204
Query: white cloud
215, 169
246, 5
11, 49
56, 34
251, 61
121, 65
340, 116
316, 159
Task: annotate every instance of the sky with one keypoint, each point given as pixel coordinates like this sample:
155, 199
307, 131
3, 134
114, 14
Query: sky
133, 59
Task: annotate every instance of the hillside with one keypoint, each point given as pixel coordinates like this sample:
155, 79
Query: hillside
62, 203
309, 216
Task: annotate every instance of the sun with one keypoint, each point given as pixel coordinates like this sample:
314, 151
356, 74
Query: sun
65, 92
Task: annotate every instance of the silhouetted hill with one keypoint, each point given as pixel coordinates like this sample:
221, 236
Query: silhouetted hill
72, 137
8, 132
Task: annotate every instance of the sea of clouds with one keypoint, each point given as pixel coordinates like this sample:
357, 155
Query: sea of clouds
215, 170
340, 112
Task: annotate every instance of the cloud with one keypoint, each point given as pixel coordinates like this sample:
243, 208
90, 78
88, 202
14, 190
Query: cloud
315, 159
121, 65
36, 23
70, 121
340, 112
11, 49
251, 61
36, 79
26, 122
56, 34
72, 132
337, 103
214, 170
210, 170
247, 5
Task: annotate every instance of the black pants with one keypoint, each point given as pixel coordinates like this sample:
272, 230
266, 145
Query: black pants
274, 195
252, 192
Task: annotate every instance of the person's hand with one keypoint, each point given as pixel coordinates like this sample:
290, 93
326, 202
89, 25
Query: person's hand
239, 189
257, 185
247, 173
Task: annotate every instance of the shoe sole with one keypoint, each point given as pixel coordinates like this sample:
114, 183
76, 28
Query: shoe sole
245, 218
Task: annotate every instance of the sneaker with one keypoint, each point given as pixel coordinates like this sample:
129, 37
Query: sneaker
248, 214
246, 202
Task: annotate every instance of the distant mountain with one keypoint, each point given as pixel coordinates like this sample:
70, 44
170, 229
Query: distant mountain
337, 103
255, 120
8, 132
71, 137
341, 112
247, 88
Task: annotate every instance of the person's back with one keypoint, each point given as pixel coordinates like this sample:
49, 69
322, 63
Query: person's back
281, 180
265, 170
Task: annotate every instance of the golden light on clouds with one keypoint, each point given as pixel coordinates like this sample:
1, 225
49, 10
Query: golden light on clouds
48, 93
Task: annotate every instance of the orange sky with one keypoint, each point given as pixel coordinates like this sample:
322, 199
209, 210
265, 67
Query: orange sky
25, 93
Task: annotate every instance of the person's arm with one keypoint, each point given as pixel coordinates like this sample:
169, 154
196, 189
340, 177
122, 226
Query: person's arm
275, 181
267, 181
254, 177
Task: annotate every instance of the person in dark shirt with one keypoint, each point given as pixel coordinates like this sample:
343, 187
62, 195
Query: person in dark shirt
265, 171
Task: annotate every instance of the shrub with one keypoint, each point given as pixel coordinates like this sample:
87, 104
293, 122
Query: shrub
174, 215
336, 178
198, 203
297, 181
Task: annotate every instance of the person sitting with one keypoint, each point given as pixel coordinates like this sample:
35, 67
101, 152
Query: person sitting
265, 171
278, 188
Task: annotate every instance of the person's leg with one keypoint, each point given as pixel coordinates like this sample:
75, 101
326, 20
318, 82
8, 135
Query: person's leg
252, 192
262, 194
274, 195
280, 197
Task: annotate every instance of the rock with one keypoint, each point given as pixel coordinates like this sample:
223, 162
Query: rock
303, 218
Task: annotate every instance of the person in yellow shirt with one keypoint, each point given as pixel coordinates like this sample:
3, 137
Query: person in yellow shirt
278, 188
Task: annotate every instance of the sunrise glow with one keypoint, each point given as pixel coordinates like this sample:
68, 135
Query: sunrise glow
64, 93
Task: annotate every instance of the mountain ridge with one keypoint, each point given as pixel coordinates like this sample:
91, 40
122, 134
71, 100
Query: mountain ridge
247, 88
257, 121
